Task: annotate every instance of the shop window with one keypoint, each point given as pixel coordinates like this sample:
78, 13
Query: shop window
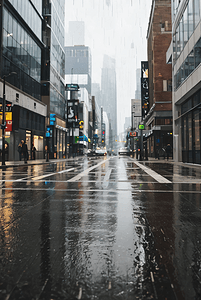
196, 99
186, 106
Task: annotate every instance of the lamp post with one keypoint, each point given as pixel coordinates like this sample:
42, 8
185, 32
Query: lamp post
132, 129
3, 126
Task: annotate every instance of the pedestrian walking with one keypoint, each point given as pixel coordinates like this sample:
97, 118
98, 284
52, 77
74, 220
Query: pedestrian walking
168, 151
33, 152
24, 151
6, 151
19, 149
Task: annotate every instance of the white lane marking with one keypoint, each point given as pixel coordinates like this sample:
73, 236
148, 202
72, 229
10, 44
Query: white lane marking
153, 174
21, 179
80, 294
51, 174
152, 277
85, 172
107, 175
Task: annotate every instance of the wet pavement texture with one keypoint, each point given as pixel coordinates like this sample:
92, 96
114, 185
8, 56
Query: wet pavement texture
106, 228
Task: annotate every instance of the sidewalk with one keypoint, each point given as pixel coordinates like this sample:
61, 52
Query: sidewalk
10, 164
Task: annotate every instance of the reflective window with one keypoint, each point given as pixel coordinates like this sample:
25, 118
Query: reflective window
21, 52
191, 61
29, 14
197, 51
190, 17
185, 22
196, 12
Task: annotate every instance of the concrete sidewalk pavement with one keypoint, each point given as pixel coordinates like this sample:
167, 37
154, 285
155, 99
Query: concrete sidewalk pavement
18, 163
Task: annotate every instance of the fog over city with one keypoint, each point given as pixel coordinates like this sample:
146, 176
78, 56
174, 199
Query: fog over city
118, 29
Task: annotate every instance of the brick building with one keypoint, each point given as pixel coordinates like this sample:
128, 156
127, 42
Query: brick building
158, 120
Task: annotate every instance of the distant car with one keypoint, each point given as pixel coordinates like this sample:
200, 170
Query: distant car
101, 152
123, 151
91, 152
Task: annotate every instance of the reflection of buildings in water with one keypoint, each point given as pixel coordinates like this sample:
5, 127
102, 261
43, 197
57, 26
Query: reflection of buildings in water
187, 236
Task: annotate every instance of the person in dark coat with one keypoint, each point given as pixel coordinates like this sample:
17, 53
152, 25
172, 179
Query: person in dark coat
168, 151
33, 151
24, 151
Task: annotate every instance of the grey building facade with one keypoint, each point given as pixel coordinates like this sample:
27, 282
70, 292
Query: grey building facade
185, 55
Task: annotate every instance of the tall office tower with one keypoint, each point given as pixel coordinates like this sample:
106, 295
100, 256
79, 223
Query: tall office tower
96, 91
138, 84
76, 34
20, 52
108, 88
78, 66
53, 75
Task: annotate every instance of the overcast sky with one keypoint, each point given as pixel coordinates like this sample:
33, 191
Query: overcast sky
117, 28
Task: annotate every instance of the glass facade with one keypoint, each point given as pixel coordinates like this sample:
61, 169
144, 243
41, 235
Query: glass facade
188, 66
21, 55
186, 26
191, 129
57, 58
28, 13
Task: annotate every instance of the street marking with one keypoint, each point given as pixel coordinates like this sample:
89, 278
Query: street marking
85, 172
153, 174
152, 277
22, 179
107, 175
80, 294
51, 174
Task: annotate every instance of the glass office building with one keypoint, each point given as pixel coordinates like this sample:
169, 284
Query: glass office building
22, 30
21, 52
53, 75
186, 67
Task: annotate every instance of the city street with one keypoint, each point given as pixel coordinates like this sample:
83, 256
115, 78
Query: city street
100, 228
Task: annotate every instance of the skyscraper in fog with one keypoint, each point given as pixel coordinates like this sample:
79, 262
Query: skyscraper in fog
109, 93
138, 84
75, 34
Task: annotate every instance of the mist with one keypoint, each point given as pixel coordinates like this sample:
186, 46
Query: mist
116, 28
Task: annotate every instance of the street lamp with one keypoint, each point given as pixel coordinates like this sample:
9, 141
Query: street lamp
132, 128
3, 126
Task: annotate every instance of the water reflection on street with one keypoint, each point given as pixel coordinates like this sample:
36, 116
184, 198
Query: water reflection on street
100, 229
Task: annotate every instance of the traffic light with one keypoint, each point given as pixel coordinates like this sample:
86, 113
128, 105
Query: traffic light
103, 136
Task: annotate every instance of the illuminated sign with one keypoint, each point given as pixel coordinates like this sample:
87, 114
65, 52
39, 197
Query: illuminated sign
133, 133
141, 127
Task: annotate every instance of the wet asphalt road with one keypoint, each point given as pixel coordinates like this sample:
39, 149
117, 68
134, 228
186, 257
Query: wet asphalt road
104, 228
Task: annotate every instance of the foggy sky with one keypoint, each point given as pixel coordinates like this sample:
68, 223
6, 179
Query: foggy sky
117, 28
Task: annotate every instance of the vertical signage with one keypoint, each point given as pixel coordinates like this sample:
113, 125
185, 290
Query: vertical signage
144, 88
72, 112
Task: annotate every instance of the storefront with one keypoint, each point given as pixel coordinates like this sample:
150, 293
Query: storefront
30, 127
191, 129
56, 137
157, 140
